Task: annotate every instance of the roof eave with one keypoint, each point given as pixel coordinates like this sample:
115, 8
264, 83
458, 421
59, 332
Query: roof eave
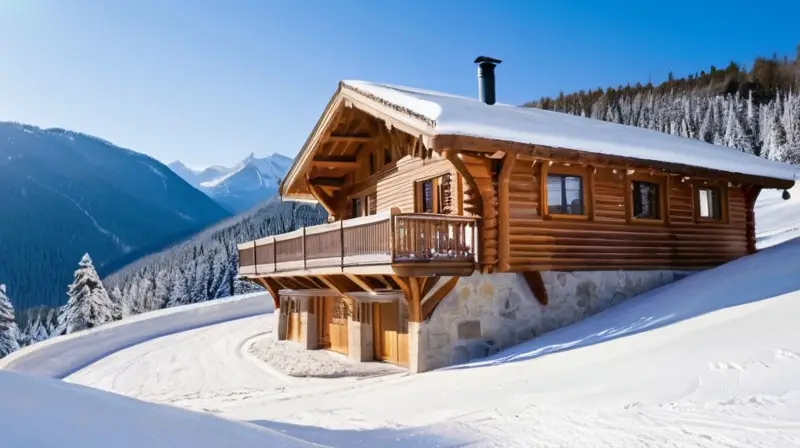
441, 142
352, 98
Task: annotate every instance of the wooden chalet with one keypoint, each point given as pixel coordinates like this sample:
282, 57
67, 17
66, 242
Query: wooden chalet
424, 189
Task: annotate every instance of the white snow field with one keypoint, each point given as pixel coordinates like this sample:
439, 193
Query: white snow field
61, 356
43, 412
711, 360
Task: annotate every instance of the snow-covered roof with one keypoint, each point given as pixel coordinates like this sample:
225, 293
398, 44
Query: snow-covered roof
446, 114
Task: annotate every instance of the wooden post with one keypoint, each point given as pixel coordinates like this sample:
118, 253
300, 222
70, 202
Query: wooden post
303, 246
503, 213
255, 257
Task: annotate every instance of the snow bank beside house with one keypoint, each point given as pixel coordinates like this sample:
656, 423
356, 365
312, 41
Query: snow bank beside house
41, 412
457, 115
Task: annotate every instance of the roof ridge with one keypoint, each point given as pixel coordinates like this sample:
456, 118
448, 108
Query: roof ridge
430, 122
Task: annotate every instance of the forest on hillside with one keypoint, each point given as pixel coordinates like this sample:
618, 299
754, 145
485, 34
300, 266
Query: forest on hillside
755, 110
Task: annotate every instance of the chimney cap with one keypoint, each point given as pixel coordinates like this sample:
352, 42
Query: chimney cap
486, 59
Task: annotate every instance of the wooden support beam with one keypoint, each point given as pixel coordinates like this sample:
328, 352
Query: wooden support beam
504, 212
536, 285
415, 308
387, 283
354, 138
427, 284
326, 181
404, 286
335, 162
336, 286
433, 301
272, 288
327, 201
362, 283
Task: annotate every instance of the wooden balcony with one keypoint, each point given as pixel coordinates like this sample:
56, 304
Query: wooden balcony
385, 243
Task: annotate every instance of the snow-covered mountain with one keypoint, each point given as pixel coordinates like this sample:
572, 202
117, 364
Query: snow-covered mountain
64, 194
241, 187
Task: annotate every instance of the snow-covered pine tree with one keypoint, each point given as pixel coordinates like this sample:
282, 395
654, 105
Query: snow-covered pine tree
116, 298
9, 333
89, 305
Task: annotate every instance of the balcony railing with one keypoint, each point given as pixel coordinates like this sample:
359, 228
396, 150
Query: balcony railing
385, 238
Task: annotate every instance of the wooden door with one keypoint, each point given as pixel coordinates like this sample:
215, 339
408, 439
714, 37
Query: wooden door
337, 323
391, 333
293, 322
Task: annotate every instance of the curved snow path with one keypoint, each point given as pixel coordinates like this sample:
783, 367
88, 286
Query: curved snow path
705, 382
59, 357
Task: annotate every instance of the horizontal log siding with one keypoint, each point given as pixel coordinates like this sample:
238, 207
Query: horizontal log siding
395, 186
610, 241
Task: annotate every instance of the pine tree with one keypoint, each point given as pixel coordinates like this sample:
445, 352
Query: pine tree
9, 332
116, 298
89, 305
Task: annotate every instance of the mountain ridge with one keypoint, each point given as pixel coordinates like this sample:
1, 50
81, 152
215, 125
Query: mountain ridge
241, 187
66, 193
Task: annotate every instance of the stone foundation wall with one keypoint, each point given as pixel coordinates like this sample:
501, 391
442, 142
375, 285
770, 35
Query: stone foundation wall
486, 313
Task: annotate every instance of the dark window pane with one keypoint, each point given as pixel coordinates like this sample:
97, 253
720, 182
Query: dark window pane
356, 208
645, 200
427, 196
387, 156
709, 203
564, 194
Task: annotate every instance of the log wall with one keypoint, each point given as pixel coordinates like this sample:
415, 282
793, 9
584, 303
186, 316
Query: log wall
607, 237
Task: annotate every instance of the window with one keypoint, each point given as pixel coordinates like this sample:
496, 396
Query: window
387, 156
357, 208
372, 203
434, 195
646, 201
564, 195
709, 203
428, 200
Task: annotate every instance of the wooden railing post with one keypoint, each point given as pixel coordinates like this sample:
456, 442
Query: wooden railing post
255, 257
341, 242
274, 255
303, 247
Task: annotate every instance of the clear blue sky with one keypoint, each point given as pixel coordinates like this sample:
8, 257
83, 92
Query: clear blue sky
208, 82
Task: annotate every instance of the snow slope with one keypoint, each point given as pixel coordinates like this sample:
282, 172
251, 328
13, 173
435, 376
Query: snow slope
777, 220
81, 417
59, 357
712, 360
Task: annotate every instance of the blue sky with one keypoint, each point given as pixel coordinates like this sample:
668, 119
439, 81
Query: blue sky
208, 82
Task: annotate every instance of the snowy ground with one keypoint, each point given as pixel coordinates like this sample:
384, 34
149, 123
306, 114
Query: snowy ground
43, 412
712, 360
58, 357
777, 220
289, 358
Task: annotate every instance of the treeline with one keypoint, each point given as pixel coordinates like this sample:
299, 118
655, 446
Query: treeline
756, 111
203, 268
767, 78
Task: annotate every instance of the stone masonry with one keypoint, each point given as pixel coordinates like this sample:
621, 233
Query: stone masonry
488, 312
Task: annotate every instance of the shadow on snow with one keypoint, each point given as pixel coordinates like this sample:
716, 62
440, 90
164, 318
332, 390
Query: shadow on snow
769, 273
365, 438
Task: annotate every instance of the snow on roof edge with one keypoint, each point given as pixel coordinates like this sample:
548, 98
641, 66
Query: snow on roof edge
456, 115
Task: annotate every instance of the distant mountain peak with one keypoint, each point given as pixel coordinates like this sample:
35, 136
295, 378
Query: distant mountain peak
247, 183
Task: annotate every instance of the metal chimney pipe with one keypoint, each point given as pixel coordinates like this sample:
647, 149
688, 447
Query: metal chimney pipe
486, 88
